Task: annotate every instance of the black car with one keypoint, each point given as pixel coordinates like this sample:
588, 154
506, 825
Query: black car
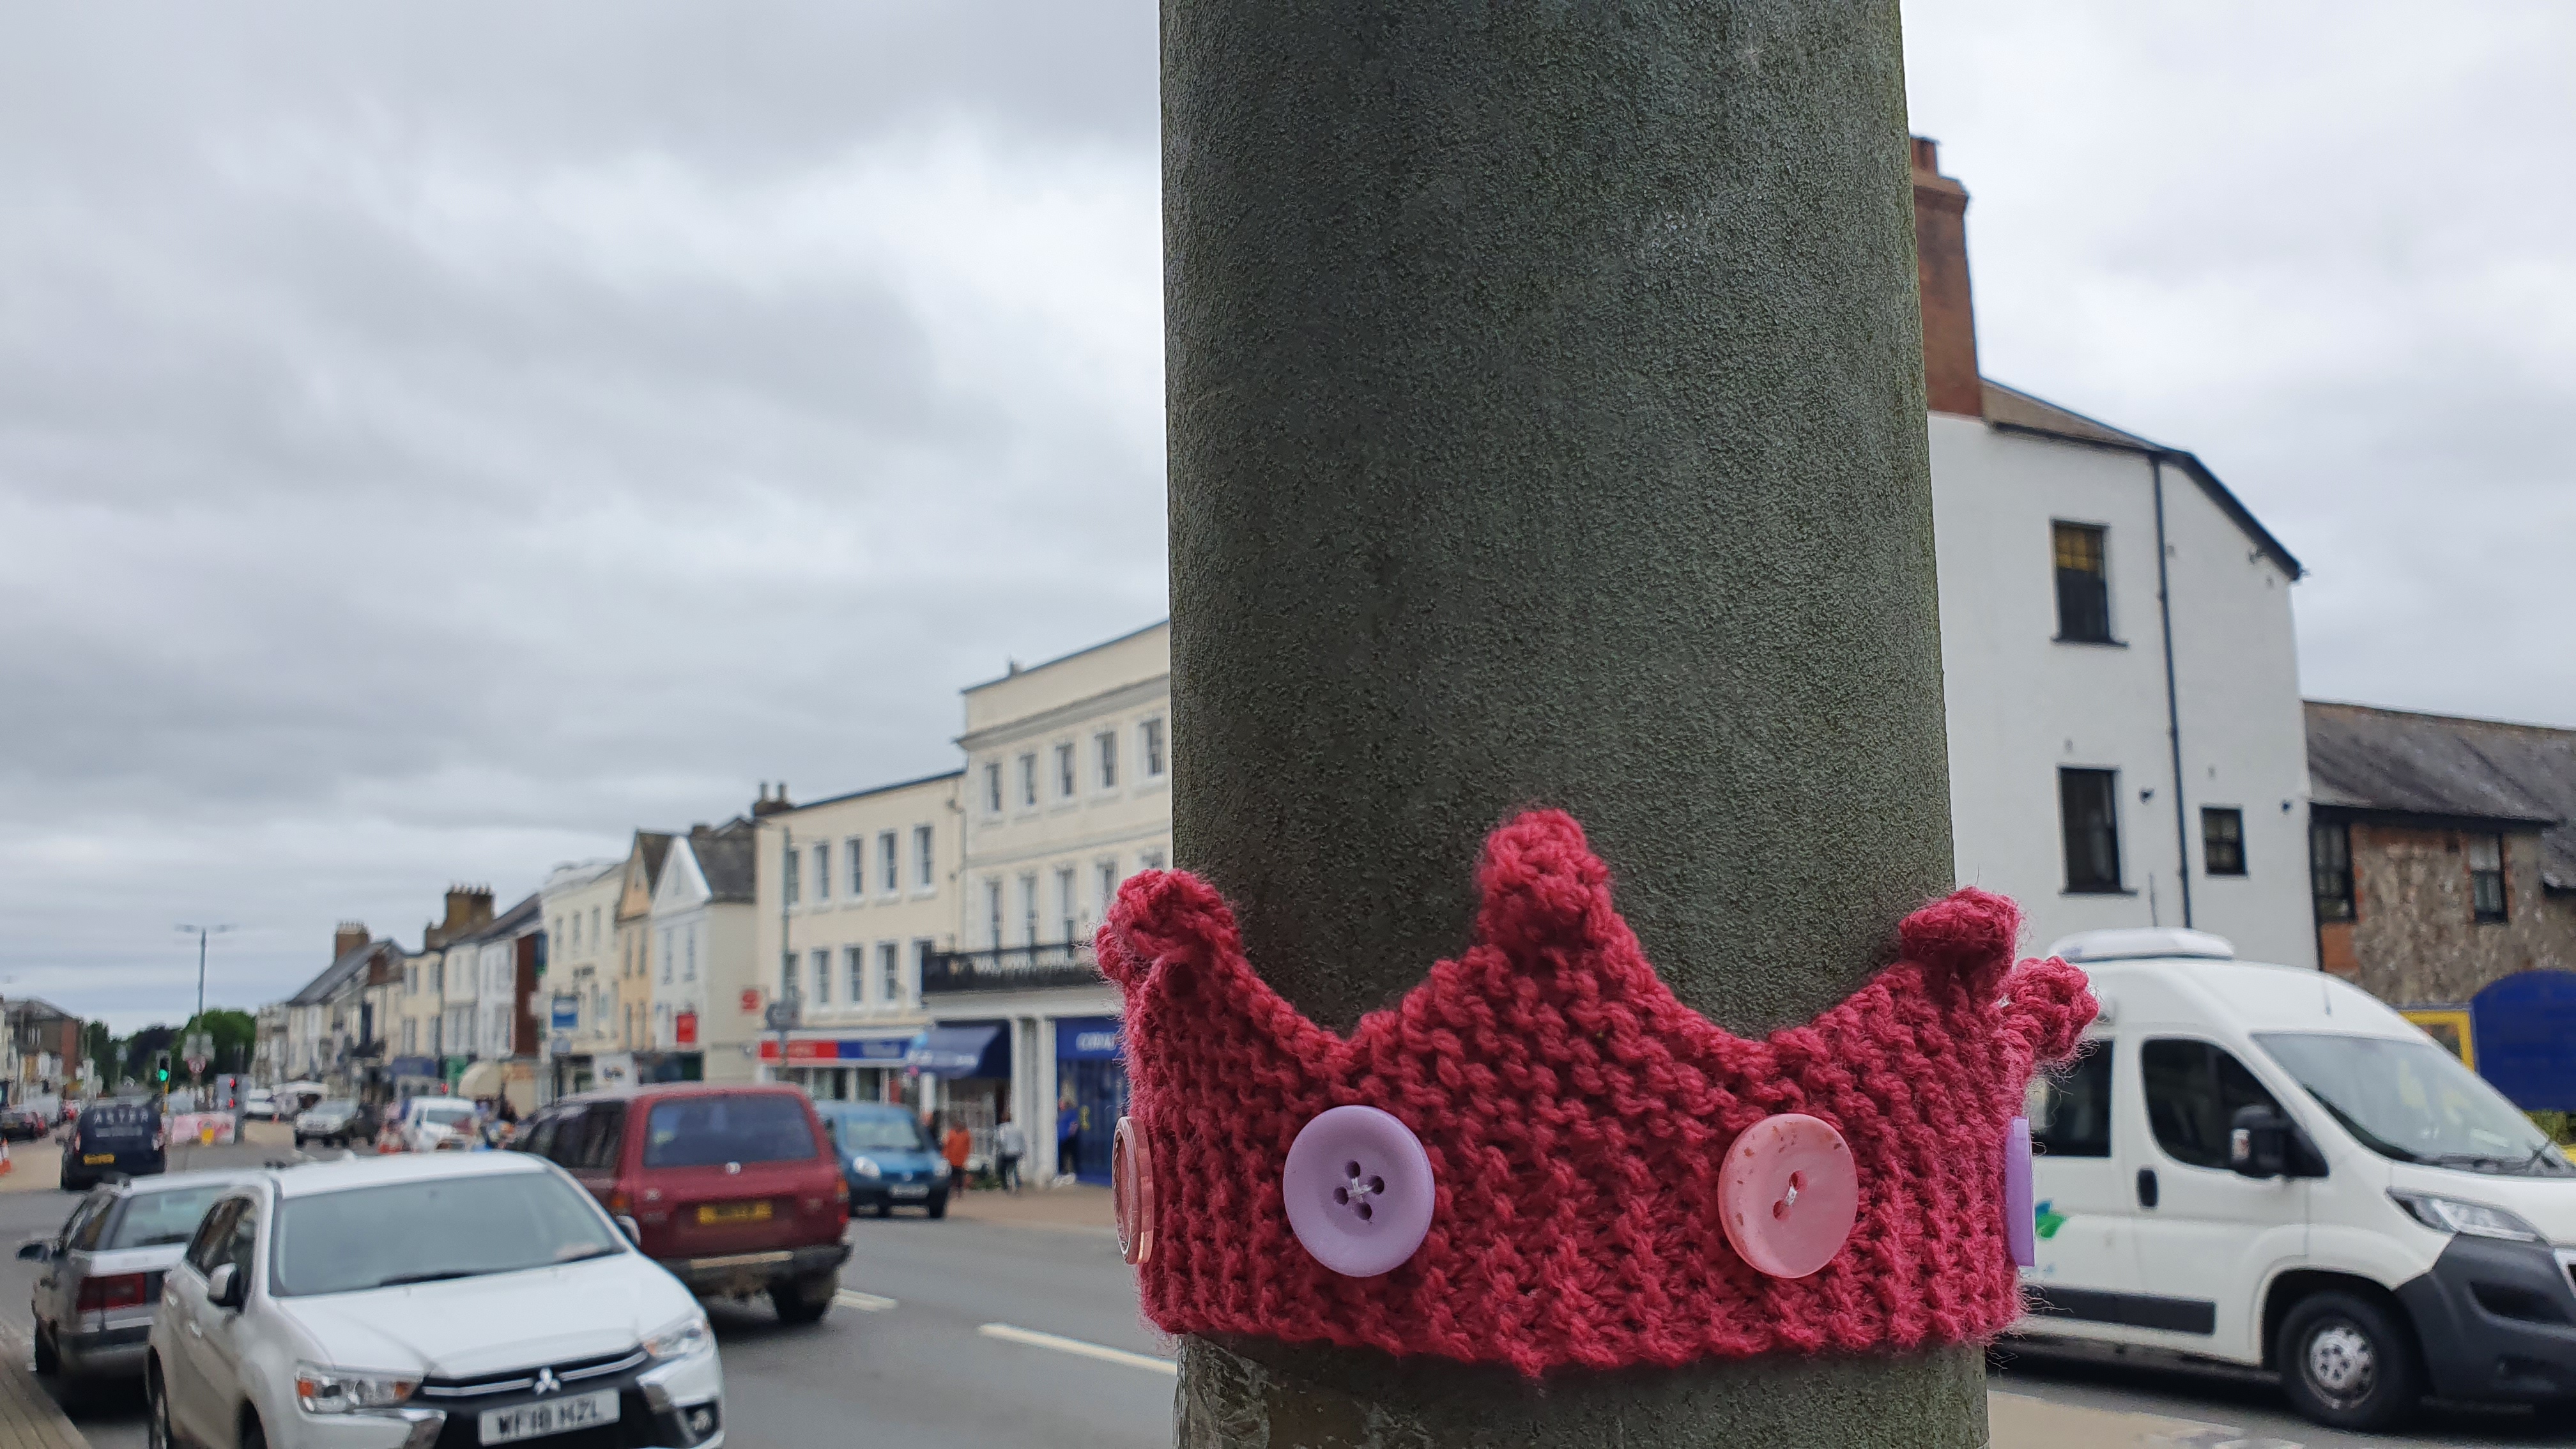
121, 1138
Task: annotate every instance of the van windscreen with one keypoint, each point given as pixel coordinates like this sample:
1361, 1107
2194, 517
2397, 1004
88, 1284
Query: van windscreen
2414, 1102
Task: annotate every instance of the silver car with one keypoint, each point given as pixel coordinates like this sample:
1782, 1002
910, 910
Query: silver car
94, 1299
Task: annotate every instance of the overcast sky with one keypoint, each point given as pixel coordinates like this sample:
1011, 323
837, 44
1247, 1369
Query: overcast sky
435, 440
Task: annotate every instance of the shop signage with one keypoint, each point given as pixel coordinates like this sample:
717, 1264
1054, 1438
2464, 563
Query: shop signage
885, 1051
684, 1028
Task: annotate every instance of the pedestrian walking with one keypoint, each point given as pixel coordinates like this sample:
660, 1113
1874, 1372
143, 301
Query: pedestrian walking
1068, 1137
1010, 1144
959, 1143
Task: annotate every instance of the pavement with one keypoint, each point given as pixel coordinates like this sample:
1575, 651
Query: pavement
1012, 1324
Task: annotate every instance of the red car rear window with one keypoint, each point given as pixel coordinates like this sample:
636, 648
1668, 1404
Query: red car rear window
706, 1131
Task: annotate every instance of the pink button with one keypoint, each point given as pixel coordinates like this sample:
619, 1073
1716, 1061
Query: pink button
1131, 1191
1787, 1194
2020, 1225
1358, 1190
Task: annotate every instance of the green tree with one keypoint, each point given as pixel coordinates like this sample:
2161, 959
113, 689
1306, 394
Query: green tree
98, 1045
235, 1033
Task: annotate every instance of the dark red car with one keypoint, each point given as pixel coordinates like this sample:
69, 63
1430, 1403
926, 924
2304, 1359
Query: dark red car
734, 1189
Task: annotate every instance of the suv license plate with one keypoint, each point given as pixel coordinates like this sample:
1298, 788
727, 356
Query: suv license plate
550, 1416
92, 1159
735, 1212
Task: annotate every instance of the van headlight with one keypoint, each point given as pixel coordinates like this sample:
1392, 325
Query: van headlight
686, 1338
865, 1167
320, 1390
939, 1171
2451, 1215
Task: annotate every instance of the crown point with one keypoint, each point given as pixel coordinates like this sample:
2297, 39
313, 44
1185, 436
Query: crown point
1538, 877
1162, 916
1969, 934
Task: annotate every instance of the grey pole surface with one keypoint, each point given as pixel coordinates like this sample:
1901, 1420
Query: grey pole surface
1546, 426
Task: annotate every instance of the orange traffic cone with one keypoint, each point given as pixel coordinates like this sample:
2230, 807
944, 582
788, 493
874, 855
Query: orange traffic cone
6, 1166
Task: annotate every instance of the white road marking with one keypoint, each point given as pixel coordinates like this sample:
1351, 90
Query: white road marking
1100, 1351
865, 1302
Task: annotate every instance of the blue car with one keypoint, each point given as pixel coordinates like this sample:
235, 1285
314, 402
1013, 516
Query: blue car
885, 1159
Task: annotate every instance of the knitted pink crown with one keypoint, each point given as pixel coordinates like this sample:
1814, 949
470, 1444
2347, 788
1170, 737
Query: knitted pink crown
1575, 1116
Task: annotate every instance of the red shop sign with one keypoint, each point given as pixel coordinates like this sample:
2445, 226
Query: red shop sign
684, 1028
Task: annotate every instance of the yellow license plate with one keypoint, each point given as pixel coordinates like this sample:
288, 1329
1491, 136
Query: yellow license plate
94, 1158
734, 1212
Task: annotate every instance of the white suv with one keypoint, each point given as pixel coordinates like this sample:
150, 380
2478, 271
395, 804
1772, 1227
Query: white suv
411, 1301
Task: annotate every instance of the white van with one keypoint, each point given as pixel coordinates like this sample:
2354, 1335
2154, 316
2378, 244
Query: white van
2265, 1166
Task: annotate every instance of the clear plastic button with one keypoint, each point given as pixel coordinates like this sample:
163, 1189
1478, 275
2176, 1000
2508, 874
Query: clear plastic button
1131, 1191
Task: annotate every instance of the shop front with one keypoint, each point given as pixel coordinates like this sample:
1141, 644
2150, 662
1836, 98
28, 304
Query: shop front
965, 1071
837, 1067
1090, 1094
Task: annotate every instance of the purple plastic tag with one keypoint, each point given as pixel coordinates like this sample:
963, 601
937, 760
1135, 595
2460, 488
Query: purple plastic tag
2019, 1226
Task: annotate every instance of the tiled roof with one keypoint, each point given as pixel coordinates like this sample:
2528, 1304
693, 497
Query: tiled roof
2396, 761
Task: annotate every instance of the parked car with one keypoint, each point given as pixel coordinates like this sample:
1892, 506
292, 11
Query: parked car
123, 1136
93, 1299
24, 1122
259, 1104
885, 1158
439, 1124
335, 1122
736, 1190
2266, 1166
419, 1300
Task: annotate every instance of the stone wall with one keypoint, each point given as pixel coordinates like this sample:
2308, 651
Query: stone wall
2413, 939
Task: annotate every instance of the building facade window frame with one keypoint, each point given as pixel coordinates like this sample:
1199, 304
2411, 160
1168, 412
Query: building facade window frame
1028, 779
854, 854
1105, 759
2088, 806
822, 871
2081, 555
2222, 840
1151, 747
2330, 879
993, 787
925, 858
889, 864
2484, 854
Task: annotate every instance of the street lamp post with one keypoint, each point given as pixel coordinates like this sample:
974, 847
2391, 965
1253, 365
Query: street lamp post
202, 933
1546, 427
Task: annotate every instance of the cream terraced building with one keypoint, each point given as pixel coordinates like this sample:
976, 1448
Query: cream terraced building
580, 913
855, 893
1067, 792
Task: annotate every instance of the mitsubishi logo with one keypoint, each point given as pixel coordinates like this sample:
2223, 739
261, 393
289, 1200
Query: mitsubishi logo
547, 1383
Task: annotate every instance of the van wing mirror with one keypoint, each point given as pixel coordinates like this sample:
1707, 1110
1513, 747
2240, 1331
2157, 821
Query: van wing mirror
2258, 1142
35, 1250
225, 1288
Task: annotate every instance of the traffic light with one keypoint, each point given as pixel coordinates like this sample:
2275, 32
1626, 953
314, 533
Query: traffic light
161, 1069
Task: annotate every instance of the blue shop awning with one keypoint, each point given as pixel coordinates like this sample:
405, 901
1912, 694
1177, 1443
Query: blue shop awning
961, 1051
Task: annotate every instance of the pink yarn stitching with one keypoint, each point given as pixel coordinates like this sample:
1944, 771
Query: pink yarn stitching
1575, 1114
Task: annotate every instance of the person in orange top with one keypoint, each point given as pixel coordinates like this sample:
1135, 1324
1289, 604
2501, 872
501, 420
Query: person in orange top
955, 1149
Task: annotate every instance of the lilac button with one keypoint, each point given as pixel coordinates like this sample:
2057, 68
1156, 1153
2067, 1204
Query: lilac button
2019, 1224
1358, 1189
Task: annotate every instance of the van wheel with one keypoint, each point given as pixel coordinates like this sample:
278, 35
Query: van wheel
2346, 1362
48, 1363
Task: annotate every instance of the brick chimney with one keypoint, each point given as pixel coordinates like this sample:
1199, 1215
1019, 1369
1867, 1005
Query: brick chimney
1950, 380
349, 936
769, 804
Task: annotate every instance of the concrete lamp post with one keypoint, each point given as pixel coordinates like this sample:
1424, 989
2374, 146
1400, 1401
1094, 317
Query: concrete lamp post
1546, 427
